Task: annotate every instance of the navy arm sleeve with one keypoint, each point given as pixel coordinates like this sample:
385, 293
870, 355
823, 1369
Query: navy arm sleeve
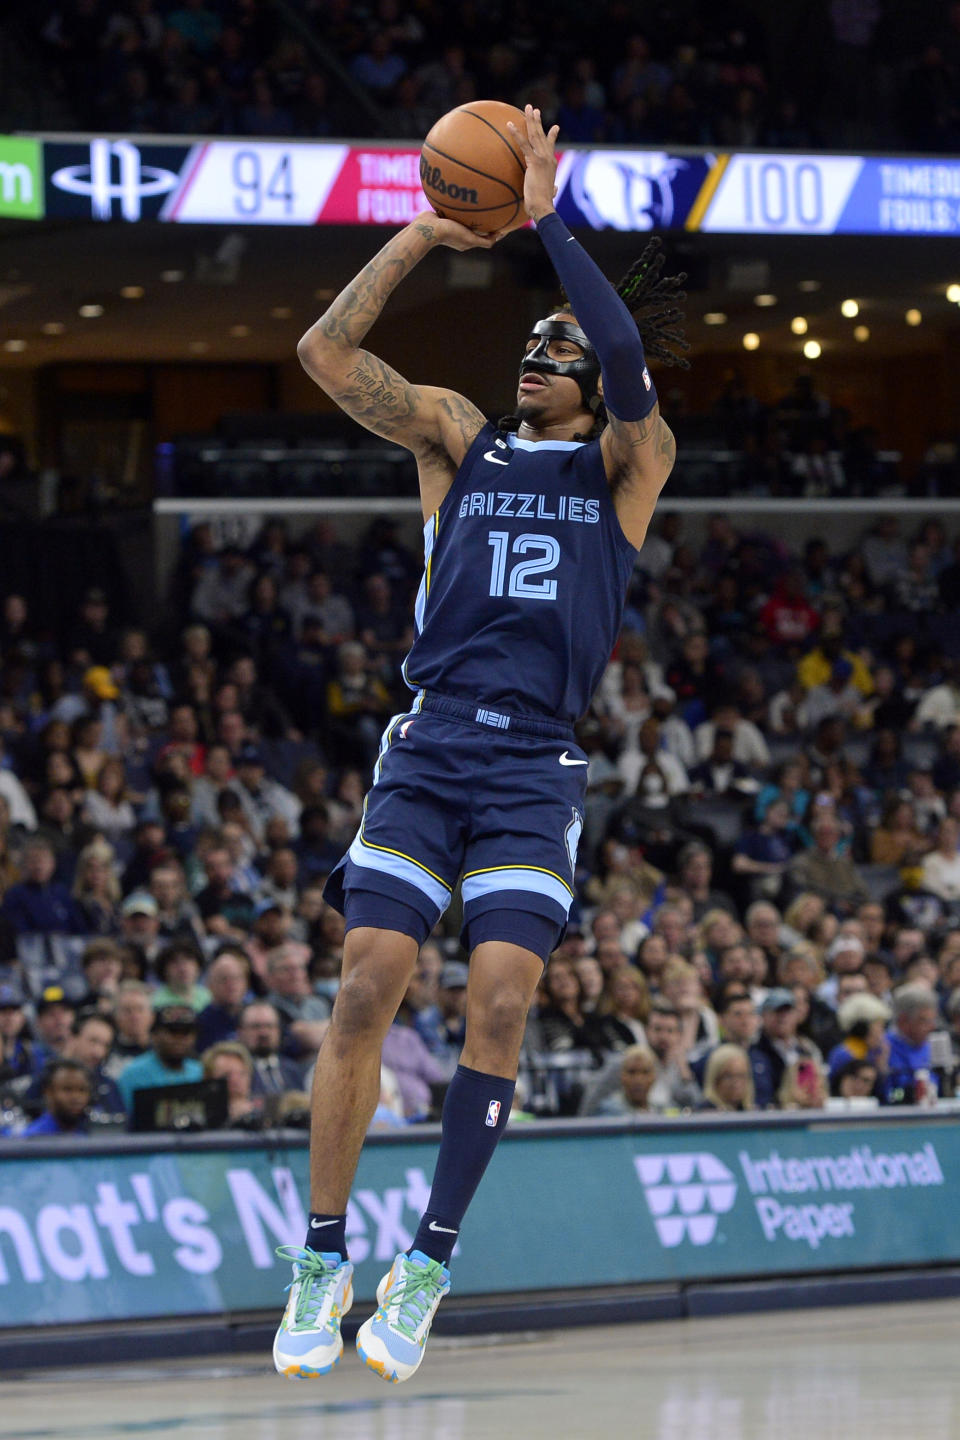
628, 391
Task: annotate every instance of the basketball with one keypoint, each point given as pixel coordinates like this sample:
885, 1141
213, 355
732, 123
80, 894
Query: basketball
471, 168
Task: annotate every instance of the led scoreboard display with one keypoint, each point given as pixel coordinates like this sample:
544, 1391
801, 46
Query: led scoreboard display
275, 182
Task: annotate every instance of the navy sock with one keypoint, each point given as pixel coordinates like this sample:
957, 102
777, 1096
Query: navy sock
475, 1114
327, 1233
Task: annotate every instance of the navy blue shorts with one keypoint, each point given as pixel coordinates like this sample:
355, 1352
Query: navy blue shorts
460, 790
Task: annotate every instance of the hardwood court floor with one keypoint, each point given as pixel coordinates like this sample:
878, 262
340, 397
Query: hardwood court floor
870, 1373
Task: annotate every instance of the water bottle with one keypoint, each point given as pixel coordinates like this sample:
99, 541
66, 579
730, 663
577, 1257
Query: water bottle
924, 1090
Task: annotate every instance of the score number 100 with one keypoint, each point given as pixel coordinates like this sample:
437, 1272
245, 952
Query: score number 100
779, 196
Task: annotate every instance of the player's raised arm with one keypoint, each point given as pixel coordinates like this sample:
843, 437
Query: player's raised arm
638, 446
421, 417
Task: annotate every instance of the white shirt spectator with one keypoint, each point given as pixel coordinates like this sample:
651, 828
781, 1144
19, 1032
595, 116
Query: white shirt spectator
632, 763
941, 875
21, 806
749, 746
939, 706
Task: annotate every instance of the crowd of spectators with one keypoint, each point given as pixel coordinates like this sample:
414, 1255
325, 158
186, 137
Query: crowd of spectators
681, 72
768, 887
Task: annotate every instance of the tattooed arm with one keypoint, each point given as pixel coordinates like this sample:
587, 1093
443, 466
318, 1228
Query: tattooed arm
437, 425
638, 456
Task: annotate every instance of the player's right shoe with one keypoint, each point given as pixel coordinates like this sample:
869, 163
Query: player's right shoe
308, 1343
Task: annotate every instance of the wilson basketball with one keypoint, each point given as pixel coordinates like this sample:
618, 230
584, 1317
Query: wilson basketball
471, 168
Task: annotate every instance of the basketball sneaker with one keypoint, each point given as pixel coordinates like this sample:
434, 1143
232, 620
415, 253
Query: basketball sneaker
308, 1342
392, 1341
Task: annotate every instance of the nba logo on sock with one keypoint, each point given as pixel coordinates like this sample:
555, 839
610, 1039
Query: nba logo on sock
493, 1113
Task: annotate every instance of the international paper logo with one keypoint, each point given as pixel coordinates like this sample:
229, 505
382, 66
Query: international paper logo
685, 1194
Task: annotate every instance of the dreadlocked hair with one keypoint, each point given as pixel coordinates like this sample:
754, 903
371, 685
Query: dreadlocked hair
655, 302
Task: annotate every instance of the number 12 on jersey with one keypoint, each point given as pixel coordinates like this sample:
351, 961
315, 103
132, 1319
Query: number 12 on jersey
518, 579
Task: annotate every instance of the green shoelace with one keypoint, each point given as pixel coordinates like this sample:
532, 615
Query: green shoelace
315, 1271
412, 1298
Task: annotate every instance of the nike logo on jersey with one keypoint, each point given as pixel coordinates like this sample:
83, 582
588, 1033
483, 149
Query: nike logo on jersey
565, 759
319, 1224
494, 459
441, 1229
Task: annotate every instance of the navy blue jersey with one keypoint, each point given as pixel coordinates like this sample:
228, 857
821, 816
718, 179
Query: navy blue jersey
525, 580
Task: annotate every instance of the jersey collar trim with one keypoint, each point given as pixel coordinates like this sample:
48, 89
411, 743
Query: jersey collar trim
516, 443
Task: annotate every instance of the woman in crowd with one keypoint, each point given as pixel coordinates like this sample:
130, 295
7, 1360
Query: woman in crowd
231, 1061
107, 808
96, 887
625, 1006
728, 1080
803, 1087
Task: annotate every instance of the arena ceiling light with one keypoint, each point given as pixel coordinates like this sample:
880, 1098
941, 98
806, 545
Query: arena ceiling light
809, 287
849, 309
764, 301
15, 346
861, 333
799, 325
913, 317
171, 277
239, 332
281, 312
953, 293
133, 292
90, 312
715, 317
751, 341
812, 349
53, 327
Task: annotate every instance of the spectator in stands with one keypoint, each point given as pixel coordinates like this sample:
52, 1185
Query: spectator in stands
826, 870
228, 981
96, 888
140, 924
675, 1087
231, 1061
224, 909
133, 1016
16, 1048
444, 1031
260, 1032
695, 878
637, 1073
624, 1007
20, 806
914, 1021
53, 1025
941, 867
170, 1060
67, 1094
863, 1022
896, 839
803, 1087
776, 1047
89, 1044
764, 854
728, 1081
177, 969
303, 1014
720, 773
39, 903
107, 808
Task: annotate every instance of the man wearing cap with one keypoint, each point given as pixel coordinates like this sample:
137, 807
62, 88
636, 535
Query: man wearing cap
261, 797
39, 903
844, 957
140, 924
777, 1045
272, 924
170, 1061
443, 1027
89, 1044
52, 1027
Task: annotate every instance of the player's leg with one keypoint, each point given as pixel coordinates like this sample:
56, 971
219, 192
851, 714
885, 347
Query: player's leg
502, 983
377, 965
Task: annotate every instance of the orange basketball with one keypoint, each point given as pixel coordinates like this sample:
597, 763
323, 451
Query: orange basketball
471, 168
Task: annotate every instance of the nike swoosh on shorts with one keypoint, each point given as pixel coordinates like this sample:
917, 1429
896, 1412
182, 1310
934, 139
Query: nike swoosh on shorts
565, 759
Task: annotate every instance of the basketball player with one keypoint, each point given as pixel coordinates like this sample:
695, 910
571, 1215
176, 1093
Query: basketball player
531, 534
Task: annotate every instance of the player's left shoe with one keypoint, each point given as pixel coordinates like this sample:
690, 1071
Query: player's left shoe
392, 1342
308, 1342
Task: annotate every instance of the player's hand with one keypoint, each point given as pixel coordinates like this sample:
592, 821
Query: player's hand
441, 231
536, 148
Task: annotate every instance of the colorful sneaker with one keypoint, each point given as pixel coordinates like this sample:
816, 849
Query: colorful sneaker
309, 1342
393, 1340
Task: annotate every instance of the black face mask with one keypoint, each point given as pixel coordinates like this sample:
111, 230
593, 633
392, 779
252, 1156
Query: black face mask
585, 370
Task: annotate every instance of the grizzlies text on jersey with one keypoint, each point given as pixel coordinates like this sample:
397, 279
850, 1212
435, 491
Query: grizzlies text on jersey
525, 579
